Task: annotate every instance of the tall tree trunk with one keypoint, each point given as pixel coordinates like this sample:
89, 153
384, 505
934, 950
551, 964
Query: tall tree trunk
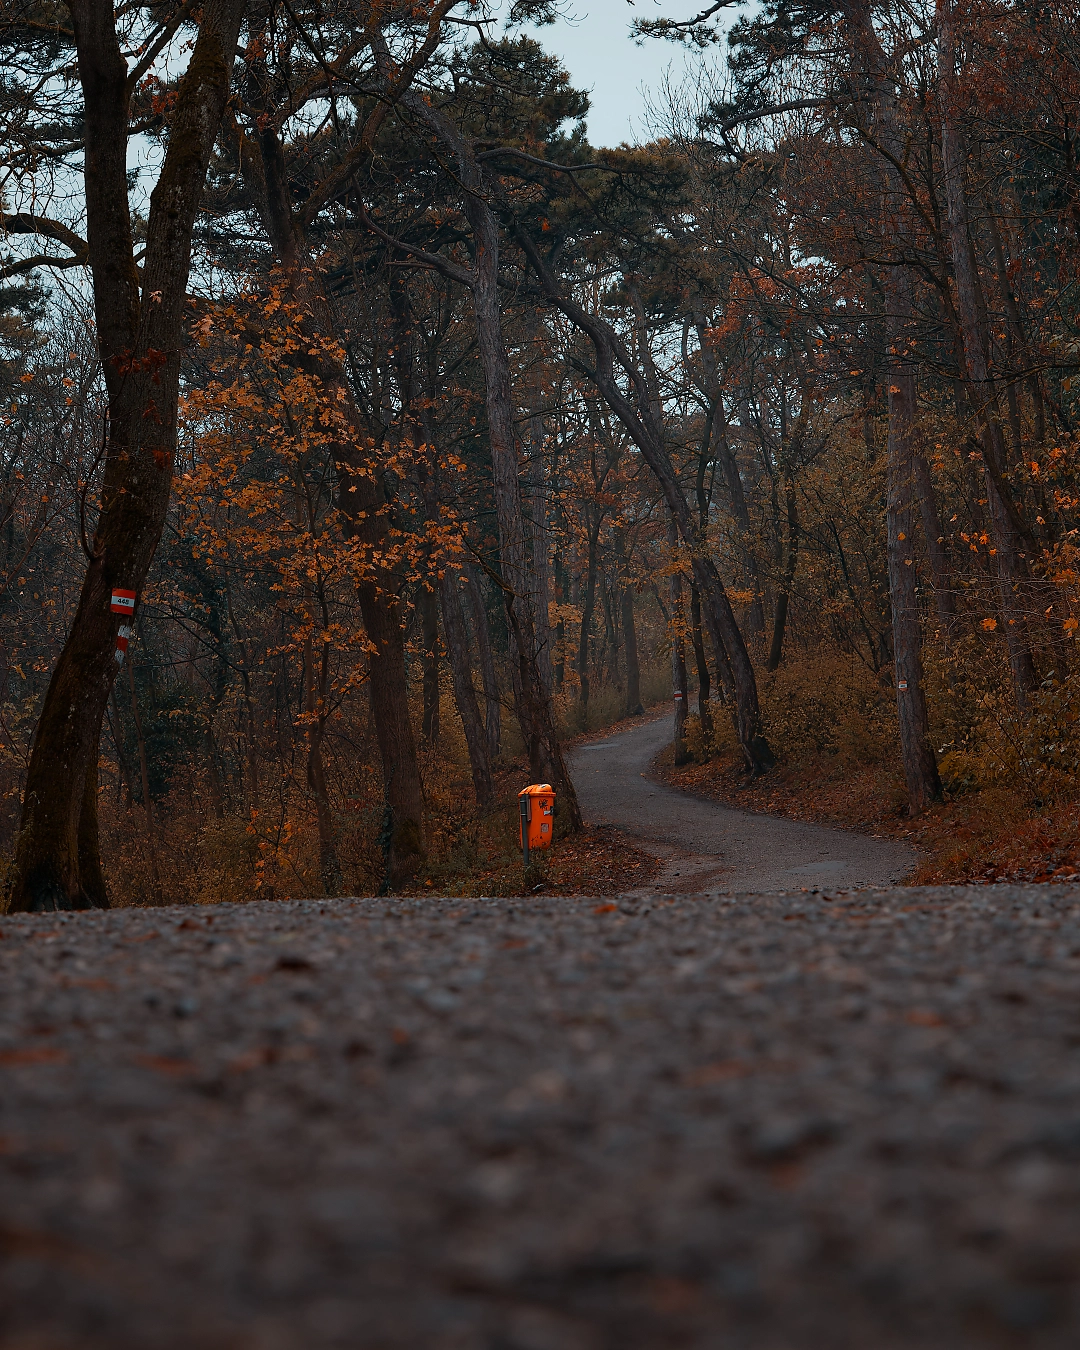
559, 578
679, 689
91, 874
633, 704
718, 438
632, 707
362, 503
787, 580
429, 614
585, 631
144, 785
1017, 338
492, 705
1017, 350
316, 687
1005, 523
609, 670
704, 688
213, 773
535, 712
539, 527
536, 715
920, 763
139, 338
457, 649
944, 598
250, 733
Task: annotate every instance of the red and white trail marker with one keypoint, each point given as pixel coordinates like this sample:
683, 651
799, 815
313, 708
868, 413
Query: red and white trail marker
123, 602
124, 635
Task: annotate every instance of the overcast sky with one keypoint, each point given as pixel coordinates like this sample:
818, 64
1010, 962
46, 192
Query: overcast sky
602, 57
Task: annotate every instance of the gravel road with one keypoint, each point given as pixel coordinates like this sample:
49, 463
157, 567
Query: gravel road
804, 1122
707, 846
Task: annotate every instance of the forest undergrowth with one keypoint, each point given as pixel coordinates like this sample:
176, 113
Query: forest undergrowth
1010, 804
194, 852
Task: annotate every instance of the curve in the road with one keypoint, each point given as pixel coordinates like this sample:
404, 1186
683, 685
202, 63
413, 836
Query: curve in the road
711, 847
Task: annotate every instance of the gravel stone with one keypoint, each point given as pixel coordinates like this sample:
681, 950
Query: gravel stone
814, 1121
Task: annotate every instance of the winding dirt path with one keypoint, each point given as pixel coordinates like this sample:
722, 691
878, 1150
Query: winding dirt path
711, 847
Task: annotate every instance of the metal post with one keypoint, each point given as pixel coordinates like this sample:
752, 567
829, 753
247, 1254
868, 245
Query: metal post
525, 814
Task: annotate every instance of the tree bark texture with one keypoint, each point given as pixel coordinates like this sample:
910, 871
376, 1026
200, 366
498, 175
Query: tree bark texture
144, 786
541, 570
535, 712
630, 647
429, 615
482, 632
316, 687
704, 688
139, 338
91, 873
457, 649
633, 705
587, 605
787, 579
920, 763
679, 690
250, 736
720, 442
933, 531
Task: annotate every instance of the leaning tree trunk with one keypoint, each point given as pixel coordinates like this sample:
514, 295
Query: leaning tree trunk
57, 863
637, 417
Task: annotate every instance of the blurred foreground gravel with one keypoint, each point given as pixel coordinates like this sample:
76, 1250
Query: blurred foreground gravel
777, 1122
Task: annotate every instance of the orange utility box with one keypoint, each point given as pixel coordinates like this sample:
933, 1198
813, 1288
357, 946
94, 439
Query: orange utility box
537, 804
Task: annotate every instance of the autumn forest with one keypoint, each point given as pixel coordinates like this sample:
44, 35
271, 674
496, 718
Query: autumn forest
418, 437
